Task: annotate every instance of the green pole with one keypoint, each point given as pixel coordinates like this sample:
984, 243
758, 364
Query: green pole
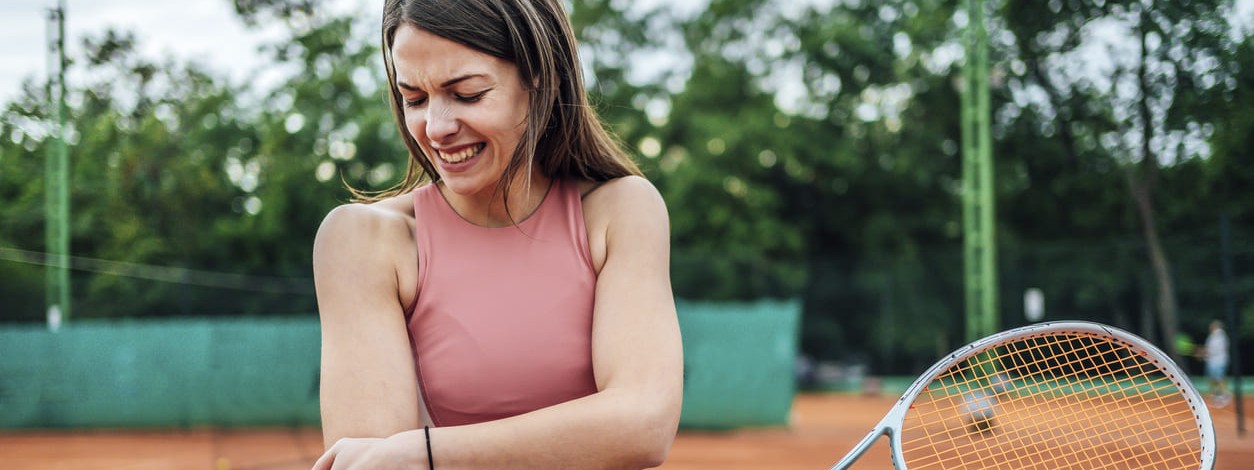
979, 240
56, 178
988, 192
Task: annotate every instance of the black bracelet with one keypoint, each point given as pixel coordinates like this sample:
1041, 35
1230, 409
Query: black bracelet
426, 430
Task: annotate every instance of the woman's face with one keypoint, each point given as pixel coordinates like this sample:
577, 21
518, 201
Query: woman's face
466, 109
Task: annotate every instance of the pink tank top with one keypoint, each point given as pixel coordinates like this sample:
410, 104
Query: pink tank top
502, 323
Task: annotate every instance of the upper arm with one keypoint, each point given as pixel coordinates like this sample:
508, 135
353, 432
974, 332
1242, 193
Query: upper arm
636, 341
367, 386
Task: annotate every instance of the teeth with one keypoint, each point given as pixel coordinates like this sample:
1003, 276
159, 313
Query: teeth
461, 156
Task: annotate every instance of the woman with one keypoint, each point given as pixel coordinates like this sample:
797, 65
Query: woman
508, 305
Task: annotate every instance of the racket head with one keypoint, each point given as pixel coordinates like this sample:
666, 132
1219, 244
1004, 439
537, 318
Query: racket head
1052, 395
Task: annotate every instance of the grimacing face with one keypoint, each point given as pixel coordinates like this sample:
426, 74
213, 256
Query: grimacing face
467, 110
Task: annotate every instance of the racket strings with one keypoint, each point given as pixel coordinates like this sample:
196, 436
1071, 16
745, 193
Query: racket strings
1086, 426
1052, 401
1015, 447
1099, 429
1022, 455
1072, 421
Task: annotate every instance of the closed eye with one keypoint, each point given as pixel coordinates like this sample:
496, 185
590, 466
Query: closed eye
472, 98
414, 103
464, 98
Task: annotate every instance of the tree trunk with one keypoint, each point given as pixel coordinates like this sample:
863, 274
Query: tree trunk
1141, 186
1166, 296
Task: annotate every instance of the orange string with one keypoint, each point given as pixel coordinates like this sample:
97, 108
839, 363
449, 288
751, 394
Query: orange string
1077, 400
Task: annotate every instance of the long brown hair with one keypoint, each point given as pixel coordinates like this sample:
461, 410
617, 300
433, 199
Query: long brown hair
563, 134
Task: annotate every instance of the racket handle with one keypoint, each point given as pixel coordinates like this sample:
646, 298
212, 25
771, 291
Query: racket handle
860, 448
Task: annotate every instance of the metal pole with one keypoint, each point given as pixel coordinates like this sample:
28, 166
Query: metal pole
979, 225
970, 245
56, 177
1233, 321
988, 193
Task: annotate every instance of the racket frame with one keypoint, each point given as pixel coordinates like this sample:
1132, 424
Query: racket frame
890, 425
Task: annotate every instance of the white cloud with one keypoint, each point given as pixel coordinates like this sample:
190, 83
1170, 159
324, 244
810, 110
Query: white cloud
205, 31
21, 37
209, 32
1244, 17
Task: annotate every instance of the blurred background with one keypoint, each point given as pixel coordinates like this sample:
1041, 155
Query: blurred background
809, 152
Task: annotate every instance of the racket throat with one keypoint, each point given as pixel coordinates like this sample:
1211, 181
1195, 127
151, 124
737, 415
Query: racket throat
862, 447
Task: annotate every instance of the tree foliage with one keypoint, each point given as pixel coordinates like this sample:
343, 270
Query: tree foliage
806, 150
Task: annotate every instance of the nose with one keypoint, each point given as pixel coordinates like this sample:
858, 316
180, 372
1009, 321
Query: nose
442, 122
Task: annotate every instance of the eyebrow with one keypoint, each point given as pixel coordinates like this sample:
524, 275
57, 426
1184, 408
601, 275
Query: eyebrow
447, 83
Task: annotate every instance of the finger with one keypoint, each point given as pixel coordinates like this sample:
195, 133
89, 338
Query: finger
326, 461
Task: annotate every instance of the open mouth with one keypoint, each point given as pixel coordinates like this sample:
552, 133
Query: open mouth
466, 153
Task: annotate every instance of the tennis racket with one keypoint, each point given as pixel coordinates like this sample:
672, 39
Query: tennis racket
1049, 396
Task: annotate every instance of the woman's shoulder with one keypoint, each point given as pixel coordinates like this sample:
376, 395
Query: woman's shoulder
379, 223
629, 198
387, 211
622, 190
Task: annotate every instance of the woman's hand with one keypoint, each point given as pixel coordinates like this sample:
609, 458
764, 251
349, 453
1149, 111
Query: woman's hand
357, 453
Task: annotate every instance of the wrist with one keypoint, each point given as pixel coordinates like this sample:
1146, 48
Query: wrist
409, 448
426, 434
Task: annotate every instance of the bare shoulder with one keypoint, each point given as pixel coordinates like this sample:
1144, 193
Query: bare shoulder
625, 215
631, 197
356, 231
368, 221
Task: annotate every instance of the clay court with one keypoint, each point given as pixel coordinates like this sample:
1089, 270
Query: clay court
824, 427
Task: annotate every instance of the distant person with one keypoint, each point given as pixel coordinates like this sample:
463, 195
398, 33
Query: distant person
507, 305
1215, 353
804, 369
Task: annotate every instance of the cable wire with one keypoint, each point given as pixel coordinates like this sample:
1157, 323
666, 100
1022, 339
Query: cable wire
171, 274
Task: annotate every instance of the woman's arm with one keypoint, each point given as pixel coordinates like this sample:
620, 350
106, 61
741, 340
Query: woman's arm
368, 386
637, 358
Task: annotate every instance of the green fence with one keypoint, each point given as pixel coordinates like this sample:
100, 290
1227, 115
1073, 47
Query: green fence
237, 372
738, 363
252, 372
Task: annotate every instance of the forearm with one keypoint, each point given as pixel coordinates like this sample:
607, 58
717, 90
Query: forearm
609, 429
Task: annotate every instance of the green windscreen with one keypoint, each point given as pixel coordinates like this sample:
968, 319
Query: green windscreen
738, 363
237, 372
264, 372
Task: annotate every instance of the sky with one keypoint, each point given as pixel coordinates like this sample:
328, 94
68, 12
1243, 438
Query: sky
207, 31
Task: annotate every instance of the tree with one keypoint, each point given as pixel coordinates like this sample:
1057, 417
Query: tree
1145, 110
187, 186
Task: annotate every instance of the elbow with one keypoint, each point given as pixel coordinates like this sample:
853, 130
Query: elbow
656, 456
662, 437
650, 451
652, 454
654, 431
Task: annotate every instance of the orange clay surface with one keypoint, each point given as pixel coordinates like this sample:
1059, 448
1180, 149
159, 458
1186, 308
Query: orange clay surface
823, 428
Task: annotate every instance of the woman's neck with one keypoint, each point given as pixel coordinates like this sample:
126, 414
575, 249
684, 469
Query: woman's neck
489, 210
